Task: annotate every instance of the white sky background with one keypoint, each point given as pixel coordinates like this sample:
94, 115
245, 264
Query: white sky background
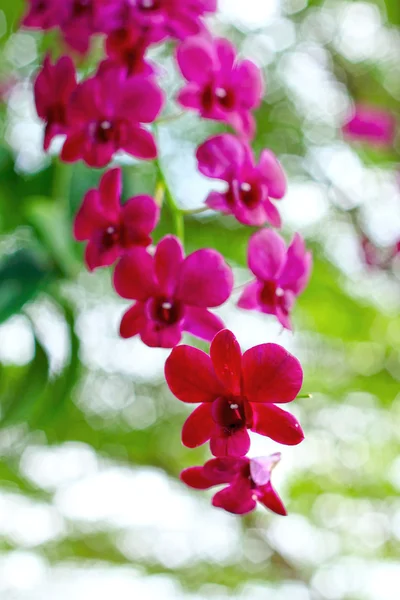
90, 494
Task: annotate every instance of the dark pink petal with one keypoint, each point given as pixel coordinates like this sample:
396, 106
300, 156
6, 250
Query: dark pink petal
133, 321
134, 276
74, 146
279, 425
249, 80
273, 173
243, 122
142, 100
198, 427
168, 259
237, 498
161, 337
221, 156
371, 124
97, 255
139, 142
77, 36
202, 323
261, 467
268, 496
205, 279
249, 298
50, 132
64, 77
255, 216
189, 97
226, 55
282, 316
139, 216
195, 59
190, 375
89, 217
98, 155
271, 374
266, 254
226, 357
225, 443
224, 470
297, 270
194, 477
86, 102
217, 201
272, 213
110, 192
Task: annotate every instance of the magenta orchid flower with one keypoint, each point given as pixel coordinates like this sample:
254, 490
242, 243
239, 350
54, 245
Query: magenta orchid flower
78, 20
161, 20
111, 228
219, 86
282, 274
45, 14
250, 186
126, 47
371, 124
172, 293
236, 393
101, 123
53, 88
248, 479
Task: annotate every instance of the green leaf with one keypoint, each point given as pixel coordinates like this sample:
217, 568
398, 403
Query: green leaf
53, 229
58, 391
22, 397
21, 278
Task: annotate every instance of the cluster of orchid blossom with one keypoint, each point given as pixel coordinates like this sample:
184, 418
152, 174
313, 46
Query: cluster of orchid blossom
377, 128
112, 111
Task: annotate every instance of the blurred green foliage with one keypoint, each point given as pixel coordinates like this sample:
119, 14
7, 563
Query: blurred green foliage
348, 341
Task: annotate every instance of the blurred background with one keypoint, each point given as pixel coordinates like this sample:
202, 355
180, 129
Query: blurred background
90, 452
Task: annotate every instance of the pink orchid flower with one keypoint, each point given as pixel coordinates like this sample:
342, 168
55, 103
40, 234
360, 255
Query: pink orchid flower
250, 186
236, 393
248, 479
371, 124
172, 293
53, 88
100, 123
164, 19
111, 228
78, 20
282, 274
220, 87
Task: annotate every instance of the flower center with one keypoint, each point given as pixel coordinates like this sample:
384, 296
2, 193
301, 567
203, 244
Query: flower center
110, 237
249, 194
103, 131
148, 4
272, 295
225, 98
231, 413
218, 97
80, 7
166, 311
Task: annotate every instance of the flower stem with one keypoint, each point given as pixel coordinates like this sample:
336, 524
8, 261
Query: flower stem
193, 211
170, 118
303, 396
61, 185
176, 213
242, 285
